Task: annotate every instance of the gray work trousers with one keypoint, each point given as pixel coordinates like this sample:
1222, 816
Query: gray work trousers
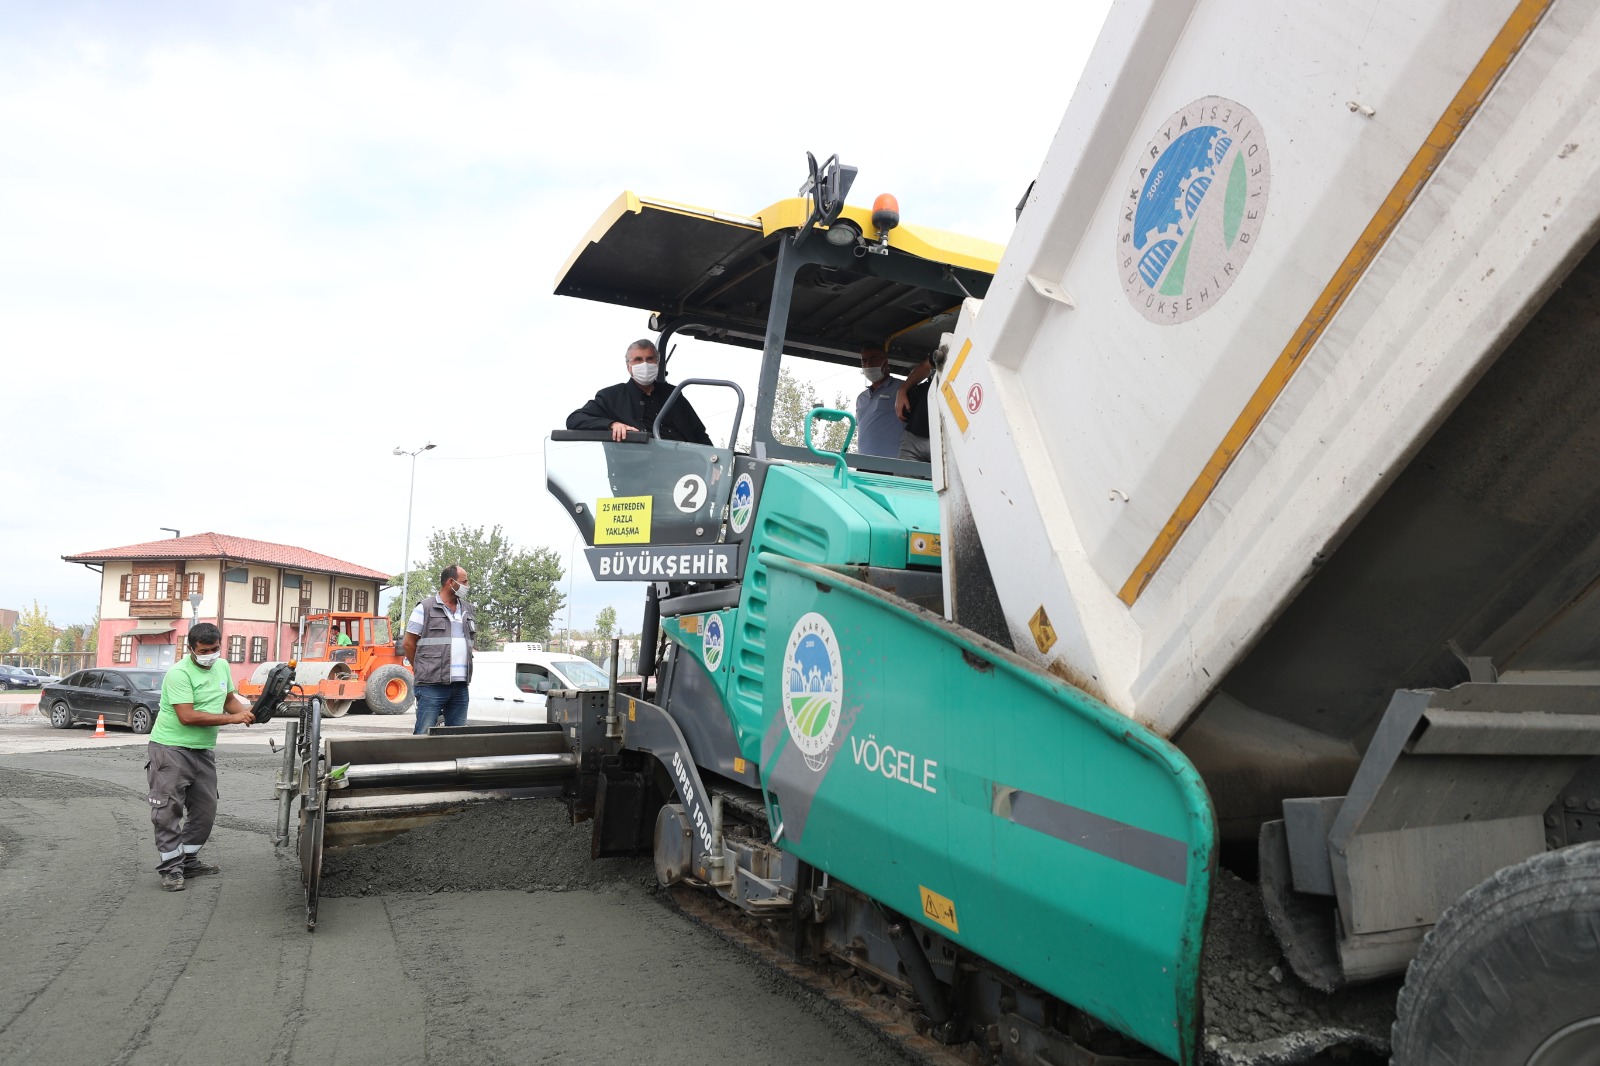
182, 781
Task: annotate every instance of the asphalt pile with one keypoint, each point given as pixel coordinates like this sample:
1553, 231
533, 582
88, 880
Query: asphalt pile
1257, 1011
530, 845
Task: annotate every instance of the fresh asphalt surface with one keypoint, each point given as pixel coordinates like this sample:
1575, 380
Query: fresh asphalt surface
101, 966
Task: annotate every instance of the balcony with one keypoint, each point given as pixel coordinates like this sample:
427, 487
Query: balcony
172, 608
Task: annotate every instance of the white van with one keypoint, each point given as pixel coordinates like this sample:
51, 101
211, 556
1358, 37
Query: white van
509, 686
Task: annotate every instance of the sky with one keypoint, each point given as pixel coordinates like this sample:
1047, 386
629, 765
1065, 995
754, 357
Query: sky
249, 249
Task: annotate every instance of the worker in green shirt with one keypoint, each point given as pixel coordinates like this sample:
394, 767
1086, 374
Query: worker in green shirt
196, 696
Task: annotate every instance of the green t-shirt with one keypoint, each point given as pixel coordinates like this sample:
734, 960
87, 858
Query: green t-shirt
206, 689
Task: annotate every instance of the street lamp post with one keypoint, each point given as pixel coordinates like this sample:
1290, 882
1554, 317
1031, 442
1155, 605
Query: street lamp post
572, 558
405, 570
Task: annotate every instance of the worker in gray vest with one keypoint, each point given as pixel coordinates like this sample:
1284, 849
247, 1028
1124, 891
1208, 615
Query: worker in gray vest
439, 647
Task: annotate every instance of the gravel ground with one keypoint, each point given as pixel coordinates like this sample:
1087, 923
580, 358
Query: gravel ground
529, 845
1257, 1011
435, 965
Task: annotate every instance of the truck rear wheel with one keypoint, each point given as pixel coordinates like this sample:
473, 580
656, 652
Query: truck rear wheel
1508, 975
390, 690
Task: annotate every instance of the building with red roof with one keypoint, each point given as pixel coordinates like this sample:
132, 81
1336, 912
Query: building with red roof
255, 591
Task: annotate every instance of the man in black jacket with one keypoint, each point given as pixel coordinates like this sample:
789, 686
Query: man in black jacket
634, 404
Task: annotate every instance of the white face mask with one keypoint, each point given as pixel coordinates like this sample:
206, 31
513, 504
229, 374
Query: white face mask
645, 373
873, 374
461, 592
207, 660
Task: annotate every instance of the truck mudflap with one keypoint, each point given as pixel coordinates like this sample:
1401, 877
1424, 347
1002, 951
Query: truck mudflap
999, 806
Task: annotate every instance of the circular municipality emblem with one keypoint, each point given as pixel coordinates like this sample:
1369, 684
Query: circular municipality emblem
1192, 210
711, 643
743, 504
813, 687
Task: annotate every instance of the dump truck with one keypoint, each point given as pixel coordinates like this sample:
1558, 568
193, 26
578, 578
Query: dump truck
1256, 564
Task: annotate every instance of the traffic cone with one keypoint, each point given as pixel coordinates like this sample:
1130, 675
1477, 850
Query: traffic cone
99, 728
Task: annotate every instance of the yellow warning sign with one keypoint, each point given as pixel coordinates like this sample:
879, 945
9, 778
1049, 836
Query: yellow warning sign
632, 710
622, 520
690, 623
1044, 634
925, 545
938, 909
738, 766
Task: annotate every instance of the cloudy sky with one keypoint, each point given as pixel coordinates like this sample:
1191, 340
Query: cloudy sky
248, 248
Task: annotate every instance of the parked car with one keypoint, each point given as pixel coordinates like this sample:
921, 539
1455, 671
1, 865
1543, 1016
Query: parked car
44, 676
126, 697
12, 677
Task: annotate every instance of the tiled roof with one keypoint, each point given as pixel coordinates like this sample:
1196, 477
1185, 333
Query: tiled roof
237, 549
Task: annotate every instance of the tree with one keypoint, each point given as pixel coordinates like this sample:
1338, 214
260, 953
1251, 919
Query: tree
793, 402
35, 635
91, 640
527, 597
516, 592
605, 623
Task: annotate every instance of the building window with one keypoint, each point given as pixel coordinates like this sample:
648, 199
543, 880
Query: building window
156, 585
193, 583
258, 649
236, 649
124, 652
261, 591
126, 592
305, 595
344, 599
361, 600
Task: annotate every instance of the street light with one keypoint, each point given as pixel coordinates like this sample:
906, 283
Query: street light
405, 570
572, 550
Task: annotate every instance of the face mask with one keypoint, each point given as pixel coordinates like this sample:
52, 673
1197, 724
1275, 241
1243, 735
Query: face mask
207, 660
461, 592
645, 373
873, 374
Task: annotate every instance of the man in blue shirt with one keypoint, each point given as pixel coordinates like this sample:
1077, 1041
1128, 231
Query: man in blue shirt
878, 425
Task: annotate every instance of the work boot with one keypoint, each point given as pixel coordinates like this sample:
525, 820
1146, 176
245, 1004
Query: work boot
172, 882
200, 869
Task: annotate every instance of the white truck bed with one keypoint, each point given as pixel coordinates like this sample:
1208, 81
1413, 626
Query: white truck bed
1160, 460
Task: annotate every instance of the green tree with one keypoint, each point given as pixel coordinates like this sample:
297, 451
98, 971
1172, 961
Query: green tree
35, 635
91, 640
515, 591
527, 595
72, 638
793, 402
605, 623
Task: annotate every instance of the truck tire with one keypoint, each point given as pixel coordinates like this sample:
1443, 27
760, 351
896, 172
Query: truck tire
1508, 976
390, 690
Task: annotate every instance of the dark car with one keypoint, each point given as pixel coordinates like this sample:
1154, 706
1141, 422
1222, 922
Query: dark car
12, 677
125, 697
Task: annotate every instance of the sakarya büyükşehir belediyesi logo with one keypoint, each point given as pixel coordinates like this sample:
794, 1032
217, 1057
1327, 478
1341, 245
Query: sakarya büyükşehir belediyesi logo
712, 642
1193, 210
813, 687
743, 502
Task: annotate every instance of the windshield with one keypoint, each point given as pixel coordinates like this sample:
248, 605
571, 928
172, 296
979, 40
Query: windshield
317, 639
378, 631
582, 673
